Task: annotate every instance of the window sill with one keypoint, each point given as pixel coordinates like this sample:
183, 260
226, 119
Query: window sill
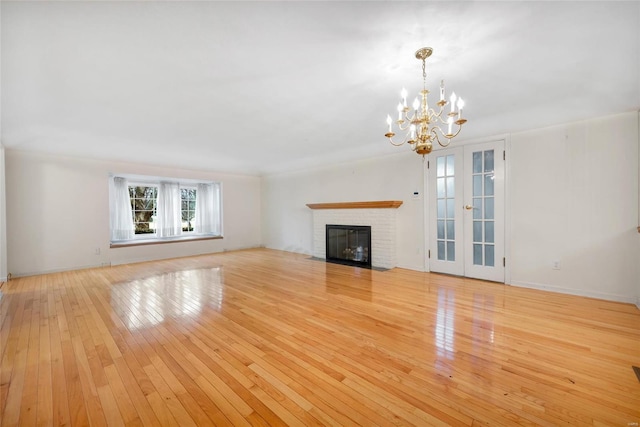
160, 241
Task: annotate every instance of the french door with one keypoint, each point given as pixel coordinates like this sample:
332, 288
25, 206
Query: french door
466, 211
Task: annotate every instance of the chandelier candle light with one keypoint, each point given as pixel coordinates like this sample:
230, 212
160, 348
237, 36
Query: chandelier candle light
416, 123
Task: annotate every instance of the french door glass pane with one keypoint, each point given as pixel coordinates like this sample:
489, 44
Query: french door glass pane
488, 208
477, 162
488, 232
440, 188
440, 166
488, 161
477, 254
483, 208
451, 208
489, 256
477, 231
477, 185
445, 209
441, 205
477, 208
451, 165
488, 184
451, 229
451, 251
451, 187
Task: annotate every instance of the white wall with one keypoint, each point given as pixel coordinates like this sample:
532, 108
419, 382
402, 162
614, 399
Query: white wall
3, 213
3, 219
573, 193
288, 223
638, 278
58, 213
574, 199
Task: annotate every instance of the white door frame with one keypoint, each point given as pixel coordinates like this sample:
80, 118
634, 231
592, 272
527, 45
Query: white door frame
507, 202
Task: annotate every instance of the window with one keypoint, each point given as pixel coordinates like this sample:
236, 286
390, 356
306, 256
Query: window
188, 208
163, 209
143, 207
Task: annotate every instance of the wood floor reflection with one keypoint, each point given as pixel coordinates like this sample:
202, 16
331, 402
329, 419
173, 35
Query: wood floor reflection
262, 337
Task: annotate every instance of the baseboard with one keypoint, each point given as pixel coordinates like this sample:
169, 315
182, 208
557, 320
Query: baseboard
418, 268
293, 250
120, 262
638, 303
239, 248
58, 270
148, 259
578, 292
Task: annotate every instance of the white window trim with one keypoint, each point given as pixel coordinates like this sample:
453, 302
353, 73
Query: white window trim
151, 239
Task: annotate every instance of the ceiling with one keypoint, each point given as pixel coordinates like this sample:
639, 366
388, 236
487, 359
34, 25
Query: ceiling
266, 87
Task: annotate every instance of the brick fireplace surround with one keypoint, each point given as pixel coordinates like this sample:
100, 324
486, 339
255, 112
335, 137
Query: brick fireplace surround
380, 215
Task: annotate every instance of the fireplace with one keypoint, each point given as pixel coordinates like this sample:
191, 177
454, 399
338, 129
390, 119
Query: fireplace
348, 244
380, 215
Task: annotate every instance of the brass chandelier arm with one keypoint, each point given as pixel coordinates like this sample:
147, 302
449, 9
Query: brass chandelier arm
398, 144
438, 115
456, 134
437, 138
406, 122
390, 135
440, 132
432, 112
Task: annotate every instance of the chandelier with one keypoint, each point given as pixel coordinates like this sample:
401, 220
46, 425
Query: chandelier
423, 124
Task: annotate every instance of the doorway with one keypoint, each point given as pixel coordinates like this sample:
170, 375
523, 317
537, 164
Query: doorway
467, 211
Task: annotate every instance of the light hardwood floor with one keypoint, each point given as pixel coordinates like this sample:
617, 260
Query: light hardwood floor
262, 337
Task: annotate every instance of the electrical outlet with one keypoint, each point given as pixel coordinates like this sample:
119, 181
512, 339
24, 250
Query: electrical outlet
556, 265
97, 251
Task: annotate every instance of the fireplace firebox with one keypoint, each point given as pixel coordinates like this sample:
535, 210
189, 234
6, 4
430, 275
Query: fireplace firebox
349, 244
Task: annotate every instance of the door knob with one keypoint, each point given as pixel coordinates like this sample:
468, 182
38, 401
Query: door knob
468, 207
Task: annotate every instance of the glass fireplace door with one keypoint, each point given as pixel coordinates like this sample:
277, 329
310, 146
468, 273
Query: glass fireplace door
349, 244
